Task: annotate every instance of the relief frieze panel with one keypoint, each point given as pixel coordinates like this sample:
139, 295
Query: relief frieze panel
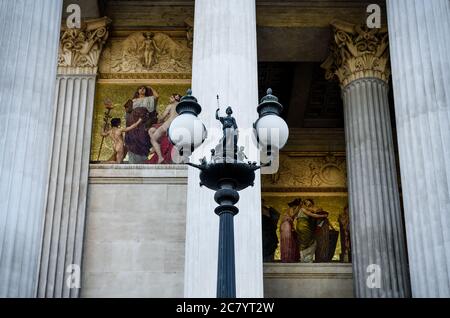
298, 172
147, 53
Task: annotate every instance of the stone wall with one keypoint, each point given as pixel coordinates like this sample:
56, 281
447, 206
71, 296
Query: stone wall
332, 280
135, 238
135, 231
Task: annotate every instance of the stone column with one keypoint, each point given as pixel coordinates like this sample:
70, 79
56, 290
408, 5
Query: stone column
420, 50
29, 39
224, 64
359, 60
65, 212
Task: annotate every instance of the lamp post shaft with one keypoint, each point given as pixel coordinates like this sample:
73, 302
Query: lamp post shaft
226, 197
226, 280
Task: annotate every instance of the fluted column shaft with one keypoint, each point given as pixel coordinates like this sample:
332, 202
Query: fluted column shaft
65, 212
224, 64
419, 34
360, 60
374, 203
29, 34
66, 204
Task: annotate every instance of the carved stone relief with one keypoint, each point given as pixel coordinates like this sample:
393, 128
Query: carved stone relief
147, 52
357, 52
306, 171
80, 49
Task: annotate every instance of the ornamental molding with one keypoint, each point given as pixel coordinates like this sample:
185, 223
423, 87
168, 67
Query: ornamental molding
80, 49
357, 52
300, 275
299, 172
144, 76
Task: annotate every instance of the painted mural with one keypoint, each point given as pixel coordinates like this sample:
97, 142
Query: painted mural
139, 87
131, 120
304, 210
305, 228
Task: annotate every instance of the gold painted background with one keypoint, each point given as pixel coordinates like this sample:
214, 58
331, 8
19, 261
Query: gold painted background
320, 176
332, 204
119, 94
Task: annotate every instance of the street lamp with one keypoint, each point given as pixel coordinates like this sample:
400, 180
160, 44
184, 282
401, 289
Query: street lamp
226, 172
271, 130
187, 131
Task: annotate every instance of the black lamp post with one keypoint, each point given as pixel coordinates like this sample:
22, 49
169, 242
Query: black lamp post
226, 172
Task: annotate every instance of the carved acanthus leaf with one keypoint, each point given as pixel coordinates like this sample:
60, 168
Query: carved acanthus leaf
357, 52
81, 48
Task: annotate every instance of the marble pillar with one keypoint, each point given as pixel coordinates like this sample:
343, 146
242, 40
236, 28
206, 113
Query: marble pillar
224, 64
65, 213
420, 54
29, 40
359, 60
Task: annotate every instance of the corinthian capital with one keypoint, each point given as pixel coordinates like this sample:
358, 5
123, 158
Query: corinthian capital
357, 52
80, 49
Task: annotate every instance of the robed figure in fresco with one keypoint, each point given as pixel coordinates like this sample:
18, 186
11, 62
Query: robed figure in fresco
289, 247
269, 220
326, 238
307, 218
137, 141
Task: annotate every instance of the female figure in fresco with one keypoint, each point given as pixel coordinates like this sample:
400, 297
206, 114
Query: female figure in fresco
143, 105
306, 225
158, 133
288, 237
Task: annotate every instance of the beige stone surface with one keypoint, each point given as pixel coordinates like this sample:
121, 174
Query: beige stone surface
135, 231
332, 280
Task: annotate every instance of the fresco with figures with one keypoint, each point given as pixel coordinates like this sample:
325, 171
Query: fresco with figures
305, 210
142, 76
119, 107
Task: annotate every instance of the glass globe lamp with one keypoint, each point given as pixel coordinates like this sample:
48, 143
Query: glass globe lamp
271, 130
187, 131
